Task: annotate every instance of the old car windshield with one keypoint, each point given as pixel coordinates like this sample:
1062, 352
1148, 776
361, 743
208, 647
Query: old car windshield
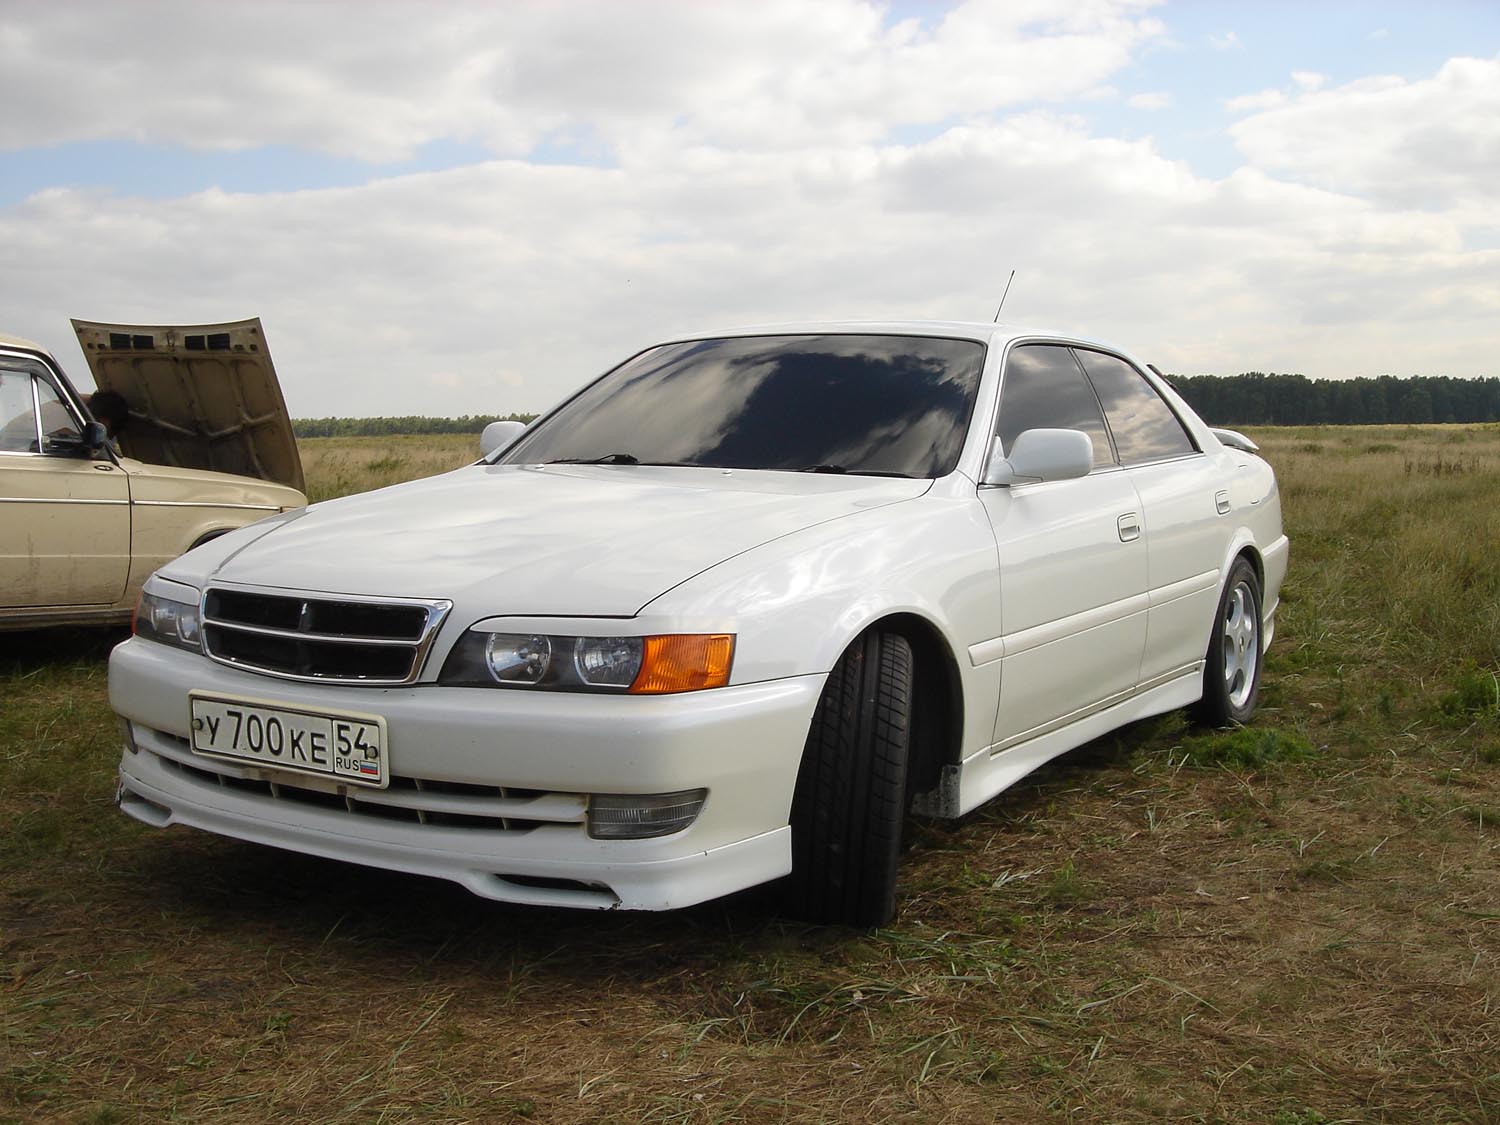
887, 405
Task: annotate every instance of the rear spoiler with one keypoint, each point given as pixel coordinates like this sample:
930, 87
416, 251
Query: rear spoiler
1235, 440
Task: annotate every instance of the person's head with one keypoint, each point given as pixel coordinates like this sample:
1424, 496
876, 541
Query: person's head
111, 409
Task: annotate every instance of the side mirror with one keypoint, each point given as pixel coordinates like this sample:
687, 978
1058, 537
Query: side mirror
497, 435
1041, 455
93, 438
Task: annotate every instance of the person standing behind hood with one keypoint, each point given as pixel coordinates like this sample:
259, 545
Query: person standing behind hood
113, 411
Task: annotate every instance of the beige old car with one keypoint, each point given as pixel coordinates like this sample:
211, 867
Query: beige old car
207, 447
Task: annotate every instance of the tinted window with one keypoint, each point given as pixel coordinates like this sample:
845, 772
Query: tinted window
1044, 389
1143, 425
860, 404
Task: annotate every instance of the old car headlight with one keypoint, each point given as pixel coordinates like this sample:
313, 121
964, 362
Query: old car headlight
652, 665
167, 617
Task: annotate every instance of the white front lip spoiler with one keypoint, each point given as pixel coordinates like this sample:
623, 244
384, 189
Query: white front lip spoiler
160, 796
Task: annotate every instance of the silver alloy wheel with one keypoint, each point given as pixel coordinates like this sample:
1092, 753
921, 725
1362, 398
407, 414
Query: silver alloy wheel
1241, 644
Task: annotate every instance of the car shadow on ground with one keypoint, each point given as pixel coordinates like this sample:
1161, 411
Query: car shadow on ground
350, 913
28, 651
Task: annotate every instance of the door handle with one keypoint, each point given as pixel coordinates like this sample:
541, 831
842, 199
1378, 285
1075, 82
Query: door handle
1221, 502
1130, 527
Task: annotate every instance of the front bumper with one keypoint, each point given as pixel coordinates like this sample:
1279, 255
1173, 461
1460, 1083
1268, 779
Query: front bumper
489, 786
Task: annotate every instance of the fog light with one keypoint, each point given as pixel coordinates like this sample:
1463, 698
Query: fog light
639, 816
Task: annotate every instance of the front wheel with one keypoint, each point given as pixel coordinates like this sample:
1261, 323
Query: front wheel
850, 800
1231, 672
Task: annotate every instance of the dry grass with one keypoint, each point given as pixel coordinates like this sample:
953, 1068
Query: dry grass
339, 466
1296, 923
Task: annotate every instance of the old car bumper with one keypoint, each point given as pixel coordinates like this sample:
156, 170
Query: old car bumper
489, 787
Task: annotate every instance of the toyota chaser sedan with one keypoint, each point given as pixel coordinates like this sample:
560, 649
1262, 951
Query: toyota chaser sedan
722, 617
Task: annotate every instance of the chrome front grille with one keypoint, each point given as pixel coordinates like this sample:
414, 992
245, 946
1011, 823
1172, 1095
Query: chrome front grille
326, 638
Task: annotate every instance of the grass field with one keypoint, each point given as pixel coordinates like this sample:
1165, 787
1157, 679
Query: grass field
1296, 922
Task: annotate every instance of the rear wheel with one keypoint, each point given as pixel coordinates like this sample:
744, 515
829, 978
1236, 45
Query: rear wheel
1231, 672
850, 800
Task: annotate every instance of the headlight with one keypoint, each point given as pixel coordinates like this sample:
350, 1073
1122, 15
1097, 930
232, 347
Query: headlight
171, 621
654, 665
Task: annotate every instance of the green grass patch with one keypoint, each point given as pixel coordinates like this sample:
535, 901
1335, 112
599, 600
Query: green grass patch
1475, 696
1252, 748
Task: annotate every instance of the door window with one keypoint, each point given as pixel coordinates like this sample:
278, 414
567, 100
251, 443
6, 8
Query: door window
17, 415
57, 419
1044, 388
1143, 425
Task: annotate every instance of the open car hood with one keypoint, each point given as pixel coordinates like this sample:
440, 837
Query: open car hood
202, 397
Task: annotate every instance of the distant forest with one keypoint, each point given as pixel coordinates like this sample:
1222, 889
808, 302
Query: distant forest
408, 424
1251, 399
1257, 399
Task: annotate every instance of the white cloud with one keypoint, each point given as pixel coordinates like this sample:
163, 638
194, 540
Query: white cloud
1156, 99
1228, 41
1433, 143
502, 286
1309, 80
378, 80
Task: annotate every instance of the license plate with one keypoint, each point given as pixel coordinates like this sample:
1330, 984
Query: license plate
348, 747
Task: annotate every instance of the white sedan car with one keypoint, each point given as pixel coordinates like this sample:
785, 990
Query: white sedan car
723, 616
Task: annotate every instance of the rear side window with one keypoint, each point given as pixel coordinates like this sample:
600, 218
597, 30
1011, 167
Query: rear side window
1045, 389
1143, 425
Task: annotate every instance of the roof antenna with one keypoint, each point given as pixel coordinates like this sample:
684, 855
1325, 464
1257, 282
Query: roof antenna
1003, 296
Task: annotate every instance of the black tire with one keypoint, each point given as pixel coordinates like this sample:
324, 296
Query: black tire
850, 800
1231, 671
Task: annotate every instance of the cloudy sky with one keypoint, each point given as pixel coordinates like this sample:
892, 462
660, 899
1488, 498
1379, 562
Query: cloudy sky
447, 208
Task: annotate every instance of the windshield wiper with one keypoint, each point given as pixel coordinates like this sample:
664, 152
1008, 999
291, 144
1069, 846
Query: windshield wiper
607, 459
856, 472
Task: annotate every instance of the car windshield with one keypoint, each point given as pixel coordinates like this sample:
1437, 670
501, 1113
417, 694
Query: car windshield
885, 405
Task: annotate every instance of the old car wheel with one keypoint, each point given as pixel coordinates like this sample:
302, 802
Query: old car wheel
851, 790
1231, 675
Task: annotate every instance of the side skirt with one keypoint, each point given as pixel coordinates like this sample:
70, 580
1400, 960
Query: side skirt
982, 775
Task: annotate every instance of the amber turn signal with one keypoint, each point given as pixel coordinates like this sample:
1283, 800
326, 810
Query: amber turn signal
684, 662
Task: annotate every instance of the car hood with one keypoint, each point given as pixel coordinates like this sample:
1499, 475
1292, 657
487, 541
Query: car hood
500, 540
169, 484
201, 397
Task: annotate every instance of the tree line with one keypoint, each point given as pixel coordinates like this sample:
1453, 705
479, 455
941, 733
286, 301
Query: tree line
406, 424
1258, 399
